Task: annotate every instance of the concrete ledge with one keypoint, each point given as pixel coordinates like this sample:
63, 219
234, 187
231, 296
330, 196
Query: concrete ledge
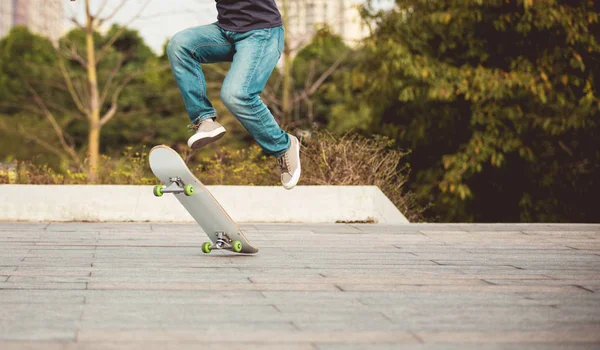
117, 203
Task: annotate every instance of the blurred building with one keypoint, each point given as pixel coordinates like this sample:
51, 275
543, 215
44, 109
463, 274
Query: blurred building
341, 16
44, 17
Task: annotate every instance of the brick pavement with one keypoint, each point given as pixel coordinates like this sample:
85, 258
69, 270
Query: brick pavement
421, 286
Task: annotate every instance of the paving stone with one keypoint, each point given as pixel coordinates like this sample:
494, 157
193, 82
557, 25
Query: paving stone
56, 271
175, 297
79, 227
41, 285
39, 322
217, 287
337, 286
455, 288
178, 316
188, 346
585, 335
20, 296
34, 345
375, 280
458, 347
45, 279
253, 337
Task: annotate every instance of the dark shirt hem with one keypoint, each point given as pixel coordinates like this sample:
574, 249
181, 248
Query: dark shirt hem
249, 28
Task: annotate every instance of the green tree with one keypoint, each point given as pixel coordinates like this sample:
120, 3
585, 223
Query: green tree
29, 76
498, 101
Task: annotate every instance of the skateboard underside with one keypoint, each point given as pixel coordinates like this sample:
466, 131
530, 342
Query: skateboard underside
172, 171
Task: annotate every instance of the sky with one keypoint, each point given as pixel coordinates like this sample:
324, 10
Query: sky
160, 20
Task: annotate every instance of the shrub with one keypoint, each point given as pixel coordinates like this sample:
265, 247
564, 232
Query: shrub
249, 167
353, 160
349, 160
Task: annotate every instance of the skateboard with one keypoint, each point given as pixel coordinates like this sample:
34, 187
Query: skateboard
168, 166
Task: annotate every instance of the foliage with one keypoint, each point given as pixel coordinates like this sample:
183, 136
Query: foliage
498, 100
249, 167
27, 75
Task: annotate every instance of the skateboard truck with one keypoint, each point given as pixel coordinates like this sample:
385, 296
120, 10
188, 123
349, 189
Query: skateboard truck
223, 242
176, 185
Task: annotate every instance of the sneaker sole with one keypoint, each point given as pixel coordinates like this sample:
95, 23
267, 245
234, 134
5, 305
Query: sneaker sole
296, 176
200, 140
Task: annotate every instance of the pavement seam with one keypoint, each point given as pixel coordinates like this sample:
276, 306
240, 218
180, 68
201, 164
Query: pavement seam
389, 319
582, 287
488, 282
417, 337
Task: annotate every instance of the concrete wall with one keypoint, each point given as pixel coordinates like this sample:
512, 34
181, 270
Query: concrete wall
310, 204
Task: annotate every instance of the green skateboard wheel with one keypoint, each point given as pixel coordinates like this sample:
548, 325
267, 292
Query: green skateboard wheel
158, 190
206, 247
188, 190
236, 246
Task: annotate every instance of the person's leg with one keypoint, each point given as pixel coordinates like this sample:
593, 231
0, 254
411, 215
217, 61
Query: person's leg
256, 55
186, 51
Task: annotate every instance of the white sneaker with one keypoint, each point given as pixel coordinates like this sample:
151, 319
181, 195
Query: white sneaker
289, 165
207, 131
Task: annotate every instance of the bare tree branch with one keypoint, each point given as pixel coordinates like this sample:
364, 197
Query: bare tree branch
102, 6
66, 111
82, 89
69, 83
88, 13
72, 17
309, 92
74, 20
57, 128
23, 107
311, 74
111, 77
116, 36
101, 20
72, 53
115, 97
32, 137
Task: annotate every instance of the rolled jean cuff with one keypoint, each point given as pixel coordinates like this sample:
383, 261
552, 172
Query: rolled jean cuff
204, 117
280, 153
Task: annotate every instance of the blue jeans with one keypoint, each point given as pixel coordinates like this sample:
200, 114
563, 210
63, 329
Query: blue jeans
253, 54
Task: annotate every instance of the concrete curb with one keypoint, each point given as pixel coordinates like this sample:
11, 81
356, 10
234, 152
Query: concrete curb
121, 203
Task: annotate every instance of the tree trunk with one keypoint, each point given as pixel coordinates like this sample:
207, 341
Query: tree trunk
286, 100
94, 116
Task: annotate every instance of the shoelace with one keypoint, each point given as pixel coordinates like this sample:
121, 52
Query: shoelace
193, 127
284, 163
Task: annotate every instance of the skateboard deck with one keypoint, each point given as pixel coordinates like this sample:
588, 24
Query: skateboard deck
168, 166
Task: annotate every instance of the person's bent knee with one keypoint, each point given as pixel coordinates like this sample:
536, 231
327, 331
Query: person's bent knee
177, 45
235, 100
